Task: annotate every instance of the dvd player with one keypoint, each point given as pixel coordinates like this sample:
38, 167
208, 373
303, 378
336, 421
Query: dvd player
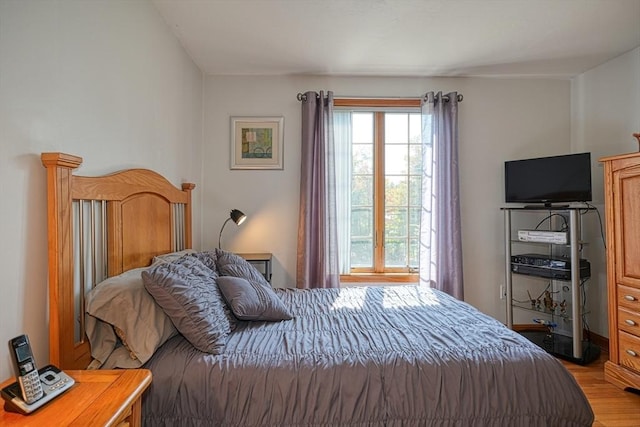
543, 236
547, 266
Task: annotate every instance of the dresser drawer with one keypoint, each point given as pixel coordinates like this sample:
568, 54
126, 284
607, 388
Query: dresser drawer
629, 321
629, 351
629, 298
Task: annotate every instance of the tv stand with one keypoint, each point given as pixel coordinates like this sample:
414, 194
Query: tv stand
539, 294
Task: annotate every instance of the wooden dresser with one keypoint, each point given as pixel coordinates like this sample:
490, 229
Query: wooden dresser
622, 202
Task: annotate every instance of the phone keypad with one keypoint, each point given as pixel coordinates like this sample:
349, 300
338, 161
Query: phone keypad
31, 386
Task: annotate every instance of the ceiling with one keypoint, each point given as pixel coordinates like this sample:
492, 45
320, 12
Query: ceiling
550, 38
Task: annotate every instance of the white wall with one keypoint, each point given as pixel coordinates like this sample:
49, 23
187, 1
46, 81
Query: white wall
105, 80
500, 119
605, 112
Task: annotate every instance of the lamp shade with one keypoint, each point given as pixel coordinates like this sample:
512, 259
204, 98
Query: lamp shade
236, 216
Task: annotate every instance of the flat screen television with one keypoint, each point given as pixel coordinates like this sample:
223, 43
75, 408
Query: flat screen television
548, 180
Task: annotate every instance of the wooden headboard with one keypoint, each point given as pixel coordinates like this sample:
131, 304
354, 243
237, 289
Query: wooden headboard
99, 227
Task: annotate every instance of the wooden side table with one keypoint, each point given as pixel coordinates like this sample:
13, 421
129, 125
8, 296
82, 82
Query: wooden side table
263, 258
98, 398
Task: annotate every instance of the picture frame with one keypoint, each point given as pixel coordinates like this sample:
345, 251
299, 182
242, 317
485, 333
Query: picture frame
257, 142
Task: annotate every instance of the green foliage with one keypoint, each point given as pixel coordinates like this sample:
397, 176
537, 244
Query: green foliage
402, 190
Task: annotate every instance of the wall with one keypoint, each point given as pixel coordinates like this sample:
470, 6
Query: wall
103, 80
605, 112
499, 119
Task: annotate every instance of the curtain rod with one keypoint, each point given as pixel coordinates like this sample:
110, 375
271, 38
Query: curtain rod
303, 97
445, 98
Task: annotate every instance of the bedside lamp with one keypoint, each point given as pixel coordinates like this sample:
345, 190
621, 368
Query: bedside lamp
237, 216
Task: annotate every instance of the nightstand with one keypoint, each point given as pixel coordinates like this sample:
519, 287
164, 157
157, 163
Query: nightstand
98, 398
262, 259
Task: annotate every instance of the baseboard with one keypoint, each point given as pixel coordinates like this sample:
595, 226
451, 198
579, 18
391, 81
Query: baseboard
599, 340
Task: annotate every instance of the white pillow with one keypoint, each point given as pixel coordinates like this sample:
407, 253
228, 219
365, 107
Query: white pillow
121, 306
171, 256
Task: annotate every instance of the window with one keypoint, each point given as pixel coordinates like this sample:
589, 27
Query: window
382, 182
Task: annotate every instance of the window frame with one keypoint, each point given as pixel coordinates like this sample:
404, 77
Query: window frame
378, 273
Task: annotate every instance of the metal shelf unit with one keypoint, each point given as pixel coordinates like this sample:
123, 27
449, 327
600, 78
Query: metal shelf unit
569, 344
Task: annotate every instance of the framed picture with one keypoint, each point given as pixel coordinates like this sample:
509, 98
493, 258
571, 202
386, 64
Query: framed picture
257, 142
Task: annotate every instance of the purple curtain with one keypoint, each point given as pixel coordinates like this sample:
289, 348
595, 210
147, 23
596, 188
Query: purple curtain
440, 233
317, 257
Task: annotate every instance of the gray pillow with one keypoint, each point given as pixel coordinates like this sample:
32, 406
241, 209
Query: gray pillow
121, 305
207, 258
251, 301
254, 303
187, 292
230, 264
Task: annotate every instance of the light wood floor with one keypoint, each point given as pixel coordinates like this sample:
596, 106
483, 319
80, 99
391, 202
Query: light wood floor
612, 406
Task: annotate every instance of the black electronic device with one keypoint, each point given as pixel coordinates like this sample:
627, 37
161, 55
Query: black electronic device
34, 387
549, 180
25, 368
547, 266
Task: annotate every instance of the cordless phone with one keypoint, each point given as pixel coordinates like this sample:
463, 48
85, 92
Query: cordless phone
26, 371
34, 387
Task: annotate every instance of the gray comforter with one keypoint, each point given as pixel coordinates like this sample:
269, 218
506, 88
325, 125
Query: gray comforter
371, 356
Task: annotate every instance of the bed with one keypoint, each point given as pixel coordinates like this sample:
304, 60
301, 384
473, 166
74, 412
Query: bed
238, 353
